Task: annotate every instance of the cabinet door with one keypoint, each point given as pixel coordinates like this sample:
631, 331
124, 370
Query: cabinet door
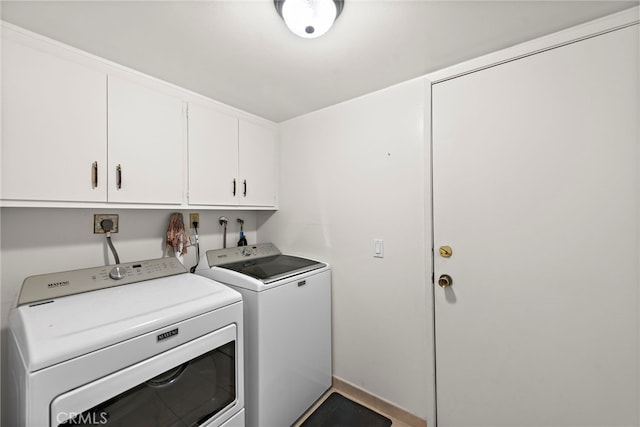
146, 147
213, 157
257, 165
54, 129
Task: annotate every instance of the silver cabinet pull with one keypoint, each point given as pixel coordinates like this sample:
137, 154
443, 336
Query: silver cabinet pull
118, 177
94, 175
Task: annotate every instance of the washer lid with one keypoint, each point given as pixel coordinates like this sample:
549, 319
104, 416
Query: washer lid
51, 332
272, 268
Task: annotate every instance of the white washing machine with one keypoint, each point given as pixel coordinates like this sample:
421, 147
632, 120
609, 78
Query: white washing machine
159, 347
287, 303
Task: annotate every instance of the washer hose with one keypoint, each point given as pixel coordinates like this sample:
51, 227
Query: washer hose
107, 226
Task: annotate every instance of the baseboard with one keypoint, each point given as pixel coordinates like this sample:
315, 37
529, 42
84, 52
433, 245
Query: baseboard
377, 403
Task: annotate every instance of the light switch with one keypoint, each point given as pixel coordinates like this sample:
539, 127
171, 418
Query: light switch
378, 248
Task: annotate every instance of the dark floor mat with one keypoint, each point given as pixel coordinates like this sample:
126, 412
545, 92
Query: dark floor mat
338, 411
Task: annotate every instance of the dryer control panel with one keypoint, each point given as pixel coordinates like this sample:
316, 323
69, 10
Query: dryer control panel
45, 287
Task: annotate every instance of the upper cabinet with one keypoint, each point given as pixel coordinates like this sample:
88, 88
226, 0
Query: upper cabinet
54, 127
81, 131
257, 164
232, 162
213, 156
146, 154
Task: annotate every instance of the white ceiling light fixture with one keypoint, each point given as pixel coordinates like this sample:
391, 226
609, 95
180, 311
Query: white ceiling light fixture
309, 18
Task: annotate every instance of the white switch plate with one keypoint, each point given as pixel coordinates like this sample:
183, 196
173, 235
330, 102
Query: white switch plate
378, 248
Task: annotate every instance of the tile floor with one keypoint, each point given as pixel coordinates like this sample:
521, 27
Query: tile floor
395, 422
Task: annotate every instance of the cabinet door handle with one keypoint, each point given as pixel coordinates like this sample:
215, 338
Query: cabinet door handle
118, 177
234, 187
94, 175
244, 193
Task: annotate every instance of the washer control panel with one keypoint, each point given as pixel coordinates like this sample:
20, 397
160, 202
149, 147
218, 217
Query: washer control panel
241, 253
45, 287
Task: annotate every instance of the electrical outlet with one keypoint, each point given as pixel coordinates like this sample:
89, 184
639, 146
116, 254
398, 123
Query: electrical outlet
97, 219
194, 217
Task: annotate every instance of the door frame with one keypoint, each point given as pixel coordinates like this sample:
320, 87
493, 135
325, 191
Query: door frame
587, 30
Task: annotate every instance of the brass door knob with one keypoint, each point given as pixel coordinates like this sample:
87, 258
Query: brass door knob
444, 281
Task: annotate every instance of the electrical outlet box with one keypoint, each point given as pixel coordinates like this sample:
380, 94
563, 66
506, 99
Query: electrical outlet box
194, 217
97, 219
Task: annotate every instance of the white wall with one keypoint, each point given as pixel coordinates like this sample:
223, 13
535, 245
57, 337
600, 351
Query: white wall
348, 174
40, 240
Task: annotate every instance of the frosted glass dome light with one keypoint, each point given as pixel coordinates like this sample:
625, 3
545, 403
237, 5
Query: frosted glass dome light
309, 18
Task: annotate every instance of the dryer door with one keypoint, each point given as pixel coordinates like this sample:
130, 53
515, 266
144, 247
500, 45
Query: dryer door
189, 385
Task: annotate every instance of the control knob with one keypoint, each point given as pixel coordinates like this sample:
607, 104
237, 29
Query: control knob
118, 272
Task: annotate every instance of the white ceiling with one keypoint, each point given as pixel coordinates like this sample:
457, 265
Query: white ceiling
240, 52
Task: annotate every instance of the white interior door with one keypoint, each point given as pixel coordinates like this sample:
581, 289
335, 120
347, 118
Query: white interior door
535, 174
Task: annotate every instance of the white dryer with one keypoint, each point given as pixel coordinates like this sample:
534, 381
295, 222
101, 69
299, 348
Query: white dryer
287, 312
160, 347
